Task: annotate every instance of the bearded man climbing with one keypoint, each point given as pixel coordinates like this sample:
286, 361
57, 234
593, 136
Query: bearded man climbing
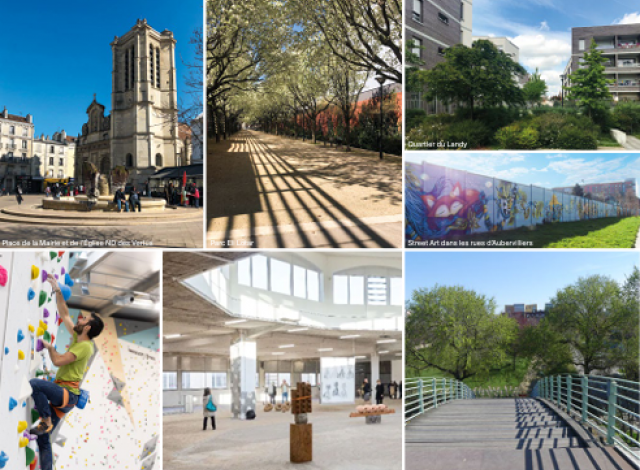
54, 399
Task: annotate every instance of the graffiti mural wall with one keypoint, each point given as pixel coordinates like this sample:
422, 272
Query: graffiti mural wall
442, 202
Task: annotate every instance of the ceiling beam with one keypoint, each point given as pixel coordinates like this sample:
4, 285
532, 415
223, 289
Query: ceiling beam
148, 284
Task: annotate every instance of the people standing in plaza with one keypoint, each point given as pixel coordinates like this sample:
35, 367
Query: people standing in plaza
285, 391
366, 390
379, 392
208, 409
19, 195
134, 200
48, 192
196, 196
120, 199
184, 195
170, 194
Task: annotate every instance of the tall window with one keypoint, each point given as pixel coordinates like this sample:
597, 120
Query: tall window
280, 277
51, 161
24, 144
158, 159
61, 162
129, 160
126, 69
169, 381
12, 130
132, 66
461, 11
60, 173
376, 290
417, 47
417, 10
259, 272
151, 67
443, 18
52, 149
581, 44
395, 290
158, 68
370, 290
356, 290
24, 132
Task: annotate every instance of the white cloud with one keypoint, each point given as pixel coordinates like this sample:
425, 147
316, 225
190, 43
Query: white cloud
544, 26
629, 18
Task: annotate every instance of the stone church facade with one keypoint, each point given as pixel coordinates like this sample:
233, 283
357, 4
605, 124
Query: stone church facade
141, 133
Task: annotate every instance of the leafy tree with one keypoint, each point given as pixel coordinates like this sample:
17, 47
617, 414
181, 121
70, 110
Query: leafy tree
597, 320
345, 87
588, 83
577, 190
412, 69
455, 331
477, 74
535, 89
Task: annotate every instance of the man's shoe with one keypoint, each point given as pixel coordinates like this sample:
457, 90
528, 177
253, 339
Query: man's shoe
41, 429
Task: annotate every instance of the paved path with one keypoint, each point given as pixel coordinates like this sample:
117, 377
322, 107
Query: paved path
500, 434
632, 143
268, 191
183, 234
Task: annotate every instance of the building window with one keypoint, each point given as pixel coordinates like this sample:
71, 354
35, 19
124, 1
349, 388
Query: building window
157, 68
444, 18
396, 291
50, 173
12, 130
129, 160
461, 11
126, 70
24, 132
10, 154
61, 162
158, 159
169, 381
201, 380
24, 157
417, 47
24, 144
132, 66
280, 277
51, 161
376, 290
60, 173
151, 68
581, 44
441, 51
417, 10
309, 378
51, 150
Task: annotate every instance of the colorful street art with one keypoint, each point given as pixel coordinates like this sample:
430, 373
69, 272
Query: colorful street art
444, 203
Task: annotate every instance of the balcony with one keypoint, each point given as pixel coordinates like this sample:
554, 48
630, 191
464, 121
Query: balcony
11, 146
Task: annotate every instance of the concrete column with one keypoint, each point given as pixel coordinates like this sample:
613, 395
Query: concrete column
375, 370
243, 377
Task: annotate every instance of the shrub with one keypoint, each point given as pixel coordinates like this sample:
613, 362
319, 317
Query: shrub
518, 136
414, 117
507, 137
574, 138
626, 117
474, 133
495, 118
548, 127
528, 139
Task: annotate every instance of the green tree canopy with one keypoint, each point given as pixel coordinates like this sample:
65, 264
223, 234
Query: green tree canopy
535, 89
455, 331
588, 83
478, 74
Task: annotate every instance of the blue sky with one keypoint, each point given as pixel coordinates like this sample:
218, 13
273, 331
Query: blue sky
542, 169
56, 55
542, 28
529, 277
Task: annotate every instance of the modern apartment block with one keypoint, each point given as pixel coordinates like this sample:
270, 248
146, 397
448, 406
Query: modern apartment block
433, 26
620, 45
605, 191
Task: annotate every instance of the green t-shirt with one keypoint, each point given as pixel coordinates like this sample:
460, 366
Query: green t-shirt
75, 371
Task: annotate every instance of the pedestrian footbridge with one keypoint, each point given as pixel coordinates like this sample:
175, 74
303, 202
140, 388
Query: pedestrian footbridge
447, 427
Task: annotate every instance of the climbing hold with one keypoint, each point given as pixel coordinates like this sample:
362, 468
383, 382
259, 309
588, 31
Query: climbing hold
23, 442
58, 320
4, 277
53, 339
68, 281
22, 425
4, 458
43, 325
53, 254
60, 253
66, 291
35, 272
6, 351
47, 336
31, 294
39, 345
20, 335
35, 416
62, 270
44, 275
32, 329
45, 313
12, 403
30, 455
39, 332
43, 298
21, 355
34, 464
56, 276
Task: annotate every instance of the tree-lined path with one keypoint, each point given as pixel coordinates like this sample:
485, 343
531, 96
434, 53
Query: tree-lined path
280, 192
501, 434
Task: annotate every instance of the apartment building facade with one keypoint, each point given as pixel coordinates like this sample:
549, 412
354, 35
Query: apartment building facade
620, 45
55, 156
16, 149
434, 26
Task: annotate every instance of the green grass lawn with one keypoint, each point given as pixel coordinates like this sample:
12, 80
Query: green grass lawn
498, 378
605, 140
610, 232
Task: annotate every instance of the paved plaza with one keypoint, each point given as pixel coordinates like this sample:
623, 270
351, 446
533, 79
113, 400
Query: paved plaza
266, 191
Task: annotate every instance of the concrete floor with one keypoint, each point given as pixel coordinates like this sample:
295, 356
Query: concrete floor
339, 442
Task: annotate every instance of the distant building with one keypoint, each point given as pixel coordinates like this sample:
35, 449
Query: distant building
16, 150
505, 45
54, 158
197, 140
526, 315
605, 191
620, 45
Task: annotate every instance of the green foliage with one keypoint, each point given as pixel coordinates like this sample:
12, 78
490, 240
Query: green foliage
518, 136
474, 133
454, 330
535, 89
414, 117
588, 83
473, 74
495, 117
626, 117
414, 74
550, 130
574, 138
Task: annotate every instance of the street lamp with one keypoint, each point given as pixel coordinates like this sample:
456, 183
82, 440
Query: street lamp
380, 79
562, 79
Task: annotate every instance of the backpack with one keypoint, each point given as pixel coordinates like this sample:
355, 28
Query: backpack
210, 405
250, 414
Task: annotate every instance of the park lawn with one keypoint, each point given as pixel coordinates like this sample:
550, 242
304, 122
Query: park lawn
611, 232
497, 378
606, 140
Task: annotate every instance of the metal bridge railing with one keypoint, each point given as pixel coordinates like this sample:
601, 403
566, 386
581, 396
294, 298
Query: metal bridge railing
610, 406
425, 393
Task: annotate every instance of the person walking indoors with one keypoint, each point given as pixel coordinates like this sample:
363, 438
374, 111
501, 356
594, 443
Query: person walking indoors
273, 393
366, 390
285, 392
209, 409
379, 392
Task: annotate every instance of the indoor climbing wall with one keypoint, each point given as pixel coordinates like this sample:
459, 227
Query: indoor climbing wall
28, 314
122, 419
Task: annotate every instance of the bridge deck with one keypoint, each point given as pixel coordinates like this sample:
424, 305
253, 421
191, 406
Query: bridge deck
500, 434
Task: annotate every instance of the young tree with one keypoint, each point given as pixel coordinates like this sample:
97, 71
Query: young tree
577, 190
535, 89
345, 87
477, 74
455, 331
588, 83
